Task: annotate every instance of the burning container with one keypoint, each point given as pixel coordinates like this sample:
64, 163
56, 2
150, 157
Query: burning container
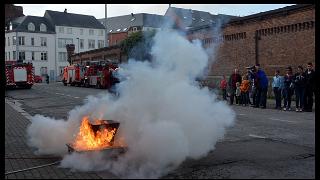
97, 136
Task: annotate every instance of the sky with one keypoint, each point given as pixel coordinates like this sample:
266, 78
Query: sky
98, 10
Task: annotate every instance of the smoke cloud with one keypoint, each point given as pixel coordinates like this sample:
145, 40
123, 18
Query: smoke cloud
164, 116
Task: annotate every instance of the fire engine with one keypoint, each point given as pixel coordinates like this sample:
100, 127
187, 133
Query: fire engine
19, 75
94, 74
73, 75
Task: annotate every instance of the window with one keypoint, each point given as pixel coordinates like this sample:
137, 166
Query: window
91, 43
14, 55
32, 55
69, 30
31, 27
32, 41
14, 40
6, 56
8, 41
21, 40
44, 56
43, 27
110, 30
81, 43
100, 43
22, 55
43, 70
43, 41
62, 42
62, 56
118, 30
91, 32
9, 55
101, 33
61, 30
81, 31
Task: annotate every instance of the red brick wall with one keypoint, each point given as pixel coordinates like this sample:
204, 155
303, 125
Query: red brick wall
275, 51
116, 38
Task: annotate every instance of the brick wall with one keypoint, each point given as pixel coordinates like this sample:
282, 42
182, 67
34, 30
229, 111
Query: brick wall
292, 44
116, 38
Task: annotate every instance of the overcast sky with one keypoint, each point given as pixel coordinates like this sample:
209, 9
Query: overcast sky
98, 10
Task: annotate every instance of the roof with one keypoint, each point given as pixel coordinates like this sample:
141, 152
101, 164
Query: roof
20, 24
188, 18
73, 20
271, 12
123, 23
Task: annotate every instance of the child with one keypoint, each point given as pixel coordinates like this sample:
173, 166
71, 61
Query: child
223, 87
238, 93
244, 87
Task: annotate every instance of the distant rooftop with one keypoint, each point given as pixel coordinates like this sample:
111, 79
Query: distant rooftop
73, 20
20, 24
123, 23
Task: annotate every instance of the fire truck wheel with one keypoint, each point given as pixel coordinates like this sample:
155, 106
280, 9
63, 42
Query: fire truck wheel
86, 84
28, 86
98, 86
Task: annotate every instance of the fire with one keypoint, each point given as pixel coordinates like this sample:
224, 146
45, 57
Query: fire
87, 139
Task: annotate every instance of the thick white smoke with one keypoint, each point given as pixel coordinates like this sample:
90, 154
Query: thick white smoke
164, 116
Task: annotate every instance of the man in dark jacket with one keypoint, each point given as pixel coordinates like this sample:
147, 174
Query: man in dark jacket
309, 87
234, 78
299, 85
262, 87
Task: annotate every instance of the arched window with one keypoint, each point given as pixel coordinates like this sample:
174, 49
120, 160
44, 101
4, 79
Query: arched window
31, 27
43, 27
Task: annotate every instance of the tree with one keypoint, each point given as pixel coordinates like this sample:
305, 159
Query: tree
138, 45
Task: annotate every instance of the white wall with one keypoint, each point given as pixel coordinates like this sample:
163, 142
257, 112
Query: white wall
37, 49
74, 35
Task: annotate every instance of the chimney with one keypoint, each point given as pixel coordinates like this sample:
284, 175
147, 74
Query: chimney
169, 5
132, 15
65, 10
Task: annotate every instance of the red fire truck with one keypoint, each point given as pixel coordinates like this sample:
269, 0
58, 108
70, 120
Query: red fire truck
19, 75
99, 75
73, 75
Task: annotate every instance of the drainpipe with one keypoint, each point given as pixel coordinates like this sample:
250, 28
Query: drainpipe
257, 38
105, 24
55, 59
17, 47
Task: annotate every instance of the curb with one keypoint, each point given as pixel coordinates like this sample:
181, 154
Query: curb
17, 106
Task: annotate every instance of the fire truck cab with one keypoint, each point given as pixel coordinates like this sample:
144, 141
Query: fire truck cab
19, 75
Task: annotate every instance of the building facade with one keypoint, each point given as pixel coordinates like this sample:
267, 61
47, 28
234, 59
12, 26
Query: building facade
31, 39
275, 39
42, 40
120, 27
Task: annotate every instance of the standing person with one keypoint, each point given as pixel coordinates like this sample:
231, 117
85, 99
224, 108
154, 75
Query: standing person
244, 87
277, 85
309, 87
234, 78
288, 89
238, 94
252, 90
299, 83
262, 87
223, 87
47, 78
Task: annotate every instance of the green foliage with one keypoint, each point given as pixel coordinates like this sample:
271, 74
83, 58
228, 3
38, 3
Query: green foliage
138, 44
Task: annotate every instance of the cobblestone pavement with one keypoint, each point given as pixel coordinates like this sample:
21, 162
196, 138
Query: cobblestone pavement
20, 156
263, 143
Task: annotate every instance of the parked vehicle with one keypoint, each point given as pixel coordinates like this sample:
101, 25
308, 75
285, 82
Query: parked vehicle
19, 75
37, 79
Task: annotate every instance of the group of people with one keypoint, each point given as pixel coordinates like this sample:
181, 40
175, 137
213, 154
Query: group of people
254, 84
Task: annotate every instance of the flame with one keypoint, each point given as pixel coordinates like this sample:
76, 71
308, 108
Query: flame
87, 139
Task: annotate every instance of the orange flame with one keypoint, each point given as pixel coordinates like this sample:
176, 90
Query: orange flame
87, 139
